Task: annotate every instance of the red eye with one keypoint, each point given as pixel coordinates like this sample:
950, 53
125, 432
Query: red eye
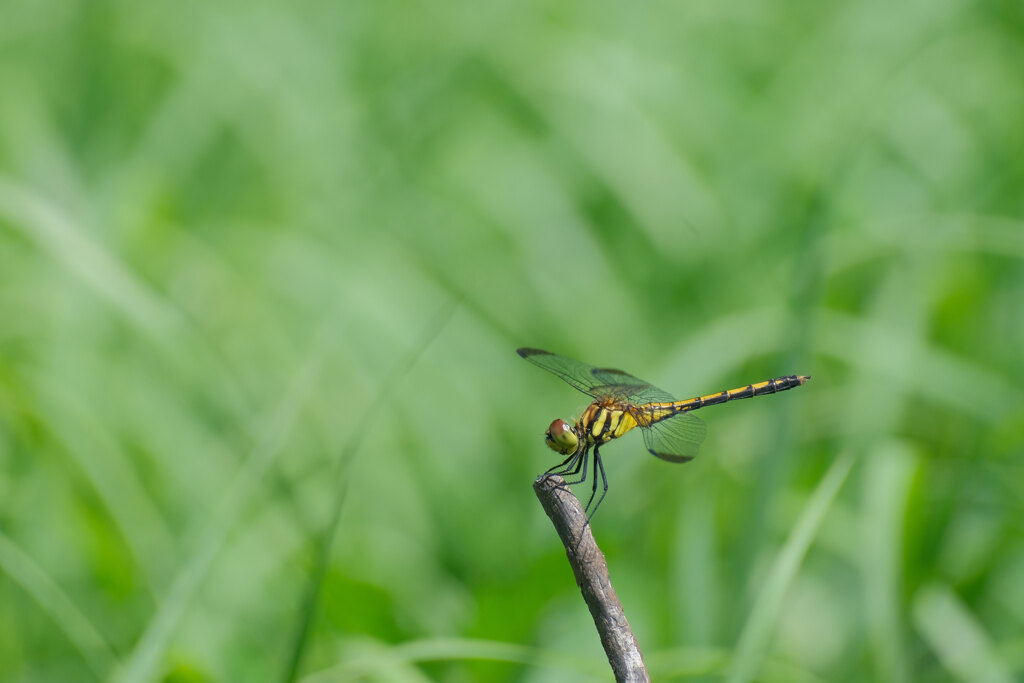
558, 427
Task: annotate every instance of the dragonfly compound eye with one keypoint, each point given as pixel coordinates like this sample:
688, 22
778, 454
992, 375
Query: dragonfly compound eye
561, 438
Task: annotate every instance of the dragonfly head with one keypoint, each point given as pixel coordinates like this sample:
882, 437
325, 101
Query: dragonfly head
561, 437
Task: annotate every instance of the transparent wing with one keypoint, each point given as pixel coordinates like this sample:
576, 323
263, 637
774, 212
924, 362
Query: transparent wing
596, 382
677, 438
634, 390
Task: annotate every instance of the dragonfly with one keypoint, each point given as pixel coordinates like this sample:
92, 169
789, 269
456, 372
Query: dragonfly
622, 402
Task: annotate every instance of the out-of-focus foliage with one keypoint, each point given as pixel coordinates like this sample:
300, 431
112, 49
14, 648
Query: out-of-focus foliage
260, 262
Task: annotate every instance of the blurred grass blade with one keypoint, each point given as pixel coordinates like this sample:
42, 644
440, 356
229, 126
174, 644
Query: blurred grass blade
56, 234
888, 476
144, 659
95, 452
365, 657
369, 658
708, 663
981, 393
757, 632
68, 243
956, 637
79, 630
326, 541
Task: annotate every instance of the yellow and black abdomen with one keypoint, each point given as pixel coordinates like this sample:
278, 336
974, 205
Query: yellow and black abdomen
660, 411
602, 423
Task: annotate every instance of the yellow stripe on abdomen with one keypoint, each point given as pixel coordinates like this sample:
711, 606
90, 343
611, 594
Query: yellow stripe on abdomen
661, 411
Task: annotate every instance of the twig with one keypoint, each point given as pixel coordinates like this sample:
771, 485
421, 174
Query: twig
591, 570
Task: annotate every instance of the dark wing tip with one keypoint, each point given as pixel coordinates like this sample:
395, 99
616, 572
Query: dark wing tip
526, 352
671, 457
611, 371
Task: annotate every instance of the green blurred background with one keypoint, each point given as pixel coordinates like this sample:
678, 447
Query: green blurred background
264, 266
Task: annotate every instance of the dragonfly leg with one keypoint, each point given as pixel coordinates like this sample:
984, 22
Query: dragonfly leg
593, 492
568, 464
598, 465
581, 463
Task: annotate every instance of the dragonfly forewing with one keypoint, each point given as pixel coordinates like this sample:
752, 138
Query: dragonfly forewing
600, 383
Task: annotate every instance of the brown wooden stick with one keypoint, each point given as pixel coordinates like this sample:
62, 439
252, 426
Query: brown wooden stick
591, 570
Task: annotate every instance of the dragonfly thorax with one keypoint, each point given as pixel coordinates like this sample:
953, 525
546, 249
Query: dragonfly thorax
603, 421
